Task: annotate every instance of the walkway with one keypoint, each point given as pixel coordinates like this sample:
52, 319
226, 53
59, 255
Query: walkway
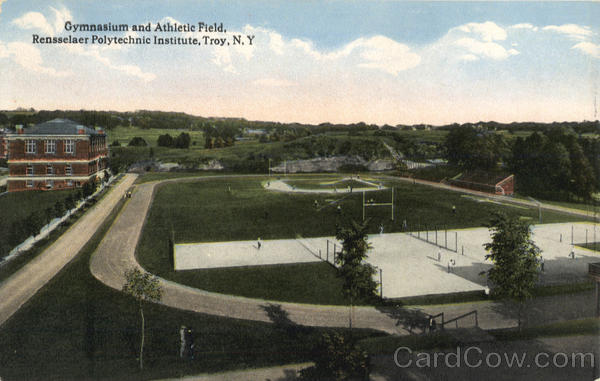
21, 286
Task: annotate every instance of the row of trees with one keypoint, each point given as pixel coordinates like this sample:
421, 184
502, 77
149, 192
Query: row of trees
36, 220
219, 136
553, 165
556, 164
183, 140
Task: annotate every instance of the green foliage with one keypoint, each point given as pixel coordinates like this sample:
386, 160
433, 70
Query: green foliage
337, 358
181, 141
142, 286
472, 149
115, 143
59, 208
554, 165
165, 140
353, 268
515, 260
137, 141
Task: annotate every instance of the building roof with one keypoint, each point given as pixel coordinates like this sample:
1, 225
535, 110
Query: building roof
59, 127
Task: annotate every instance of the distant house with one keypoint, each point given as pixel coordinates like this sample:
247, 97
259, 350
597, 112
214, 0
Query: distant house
58, 154
500, 184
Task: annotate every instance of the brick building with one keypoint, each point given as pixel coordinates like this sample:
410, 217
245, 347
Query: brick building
58, 154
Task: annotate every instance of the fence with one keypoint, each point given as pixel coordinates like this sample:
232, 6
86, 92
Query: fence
440, 238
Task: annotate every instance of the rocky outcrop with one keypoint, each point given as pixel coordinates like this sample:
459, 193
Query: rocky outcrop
331, 164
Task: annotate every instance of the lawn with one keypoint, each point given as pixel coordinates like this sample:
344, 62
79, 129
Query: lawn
206, 211
285, 283
77, 328
16, 206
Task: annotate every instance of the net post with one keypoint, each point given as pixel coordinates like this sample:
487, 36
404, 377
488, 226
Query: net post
445, 237
392, 203
363, 205
381, 283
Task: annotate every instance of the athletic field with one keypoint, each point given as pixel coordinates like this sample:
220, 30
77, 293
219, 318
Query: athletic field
411, 264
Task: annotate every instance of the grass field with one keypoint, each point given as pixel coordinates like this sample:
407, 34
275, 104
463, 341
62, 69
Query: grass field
204, 211
77, 328
315, 283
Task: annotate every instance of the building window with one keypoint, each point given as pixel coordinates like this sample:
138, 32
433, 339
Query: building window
29, 170
49, 184
69, 146
68, 170
50, 146
69, 183
30, 146
49, 170
29, 183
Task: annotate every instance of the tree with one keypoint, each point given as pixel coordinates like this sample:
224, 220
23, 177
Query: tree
59, 208
143, 287
515, 260
165, 141
137, 142
337, 358
357, 274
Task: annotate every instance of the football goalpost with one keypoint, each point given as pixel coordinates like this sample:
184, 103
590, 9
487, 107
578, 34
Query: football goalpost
370, 203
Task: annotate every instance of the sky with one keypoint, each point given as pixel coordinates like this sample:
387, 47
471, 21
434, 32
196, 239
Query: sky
382, 62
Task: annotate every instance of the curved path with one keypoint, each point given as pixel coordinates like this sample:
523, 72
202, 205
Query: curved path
116, 253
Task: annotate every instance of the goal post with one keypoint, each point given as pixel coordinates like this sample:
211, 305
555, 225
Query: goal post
366, 204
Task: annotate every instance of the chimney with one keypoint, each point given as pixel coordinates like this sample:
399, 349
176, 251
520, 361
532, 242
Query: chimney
80, 131
19, 128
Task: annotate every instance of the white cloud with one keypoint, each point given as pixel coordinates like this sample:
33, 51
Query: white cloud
524, 26
487, 31
588, 48
385, 54
469, 57
60, 17
34, 20
377, 53
572, 30
485, 49
30, 58
273, 82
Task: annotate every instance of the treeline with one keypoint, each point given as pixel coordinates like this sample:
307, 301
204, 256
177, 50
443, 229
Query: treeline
178, 120
554, 164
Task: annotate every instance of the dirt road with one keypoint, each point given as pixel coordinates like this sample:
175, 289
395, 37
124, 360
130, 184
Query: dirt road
21, 286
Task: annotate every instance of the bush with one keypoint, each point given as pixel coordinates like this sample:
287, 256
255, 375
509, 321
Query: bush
337, 358
115, 143
137, 142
